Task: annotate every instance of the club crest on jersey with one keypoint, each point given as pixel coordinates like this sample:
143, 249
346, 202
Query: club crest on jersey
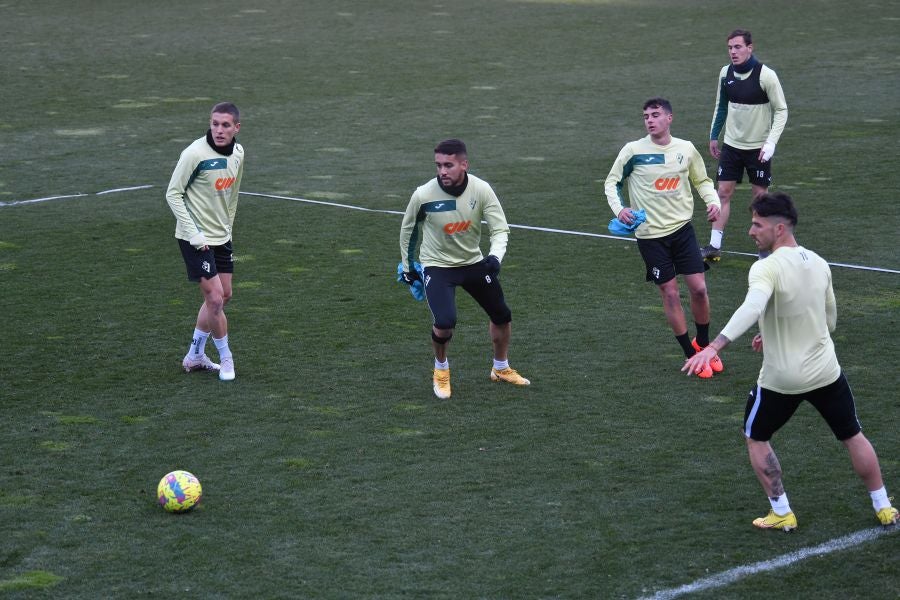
472, 203
679, 157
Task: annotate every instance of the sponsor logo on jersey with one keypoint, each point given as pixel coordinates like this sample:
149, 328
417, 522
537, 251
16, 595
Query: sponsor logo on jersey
664, 184
439, 206
212, 164
649, 159
223, 183
457, 227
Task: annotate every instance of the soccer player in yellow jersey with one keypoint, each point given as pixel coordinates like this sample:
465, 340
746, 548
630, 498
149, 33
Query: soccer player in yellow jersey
791, 297
203, 195
751, 108
446, 213
659, 170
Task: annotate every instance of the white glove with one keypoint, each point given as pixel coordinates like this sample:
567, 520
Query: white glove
768, 150
198, 241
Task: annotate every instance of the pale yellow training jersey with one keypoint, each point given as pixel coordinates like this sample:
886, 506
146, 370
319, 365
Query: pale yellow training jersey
796, 321
449, 227
203, 192
759, 118
659, 181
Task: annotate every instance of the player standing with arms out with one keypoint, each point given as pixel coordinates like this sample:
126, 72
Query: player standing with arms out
203, 195
751, 106
447, 213
659, 170
790, 295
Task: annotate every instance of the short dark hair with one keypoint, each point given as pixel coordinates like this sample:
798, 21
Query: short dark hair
658, 103
229, 108
451, 146
775, 204
744, 33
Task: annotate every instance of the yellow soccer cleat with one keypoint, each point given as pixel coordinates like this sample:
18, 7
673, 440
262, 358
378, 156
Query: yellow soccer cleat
441, 379
773, 520
888, 517
509, 376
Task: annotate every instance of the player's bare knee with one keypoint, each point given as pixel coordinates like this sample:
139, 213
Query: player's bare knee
215, 302
441, 335
698, 295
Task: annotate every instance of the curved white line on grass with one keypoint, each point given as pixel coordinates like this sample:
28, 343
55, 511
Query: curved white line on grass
732, 575
35, 200
398, 212
534, 228
125, 189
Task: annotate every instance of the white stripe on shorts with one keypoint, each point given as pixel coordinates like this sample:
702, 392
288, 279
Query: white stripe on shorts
749, 424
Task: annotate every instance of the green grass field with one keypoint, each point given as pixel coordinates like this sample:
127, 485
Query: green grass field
329, 468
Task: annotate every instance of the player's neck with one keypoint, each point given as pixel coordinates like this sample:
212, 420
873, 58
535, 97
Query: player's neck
787, 241
661, 139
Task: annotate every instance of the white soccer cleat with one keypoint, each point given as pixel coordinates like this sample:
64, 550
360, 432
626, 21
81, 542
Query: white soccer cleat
201, 363
226, 371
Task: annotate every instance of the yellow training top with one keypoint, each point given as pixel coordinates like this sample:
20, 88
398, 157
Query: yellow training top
659, 180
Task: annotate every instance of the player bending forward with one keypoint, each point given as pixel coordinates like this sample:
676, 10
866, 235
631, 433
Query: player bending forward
447, 212
791, 297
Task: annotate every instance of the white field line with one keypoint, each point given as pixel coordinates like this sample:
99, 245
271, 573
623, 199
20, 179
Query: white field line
785, 560
397, 212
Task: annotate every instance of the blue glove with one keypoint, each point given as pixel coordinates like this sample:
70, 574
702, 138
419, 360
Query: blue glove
413, 279
617, 227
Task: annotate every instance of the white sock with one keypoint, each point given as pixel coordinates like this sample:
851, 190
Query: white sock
880, 499
715, 238
222, 347
198, 344
501, 364
441, 365
780, 505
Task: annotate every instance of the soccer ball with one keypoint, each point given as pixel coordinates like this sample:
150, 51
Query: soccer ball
179, 491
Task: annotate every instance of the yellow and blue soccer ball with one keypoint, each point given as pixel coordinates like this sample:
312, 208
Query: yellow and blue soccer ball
179, 491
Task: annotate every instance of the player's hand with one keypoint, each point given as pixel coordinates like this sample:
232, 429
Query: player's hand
492, 264
626, 216
714, 148
712, 213
199, 241
757, 343
698, 361
410, 277
766, 152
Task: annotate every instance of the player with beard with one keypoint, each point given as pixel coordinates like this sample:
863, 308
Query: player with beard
446, 215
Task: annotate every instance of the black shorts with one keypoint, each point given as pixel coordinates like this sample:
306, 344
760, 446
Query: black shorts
767, 411
671, 255
207, 263
733, 162
440, 290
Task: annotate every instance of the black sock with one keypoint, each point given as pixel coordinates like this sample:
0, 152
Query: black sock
685, 342
703, 335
